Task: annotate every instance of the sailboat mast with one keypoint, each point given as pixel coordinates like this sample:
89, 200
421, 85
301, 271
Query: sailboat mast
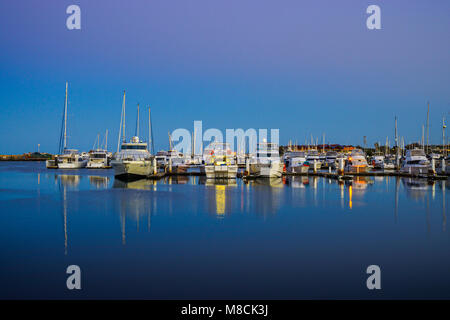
137, 122
443, 137
150, 136
193, 145
65, 118
122, 115
106, 140
428, 125
123, 123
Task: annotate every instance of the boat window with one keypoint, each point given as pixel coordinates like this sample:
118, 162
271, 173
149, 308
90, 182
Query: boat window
134, 147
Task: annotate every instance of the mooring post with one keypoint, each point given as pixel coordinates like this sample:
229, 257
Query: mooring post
154, 166
247, 166
433, 166
170, 165
341, 166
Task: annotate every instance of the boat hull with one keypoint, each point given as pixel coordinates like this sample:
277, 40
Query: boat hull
97, 165
72, 165
356, 169
414, 170
272, 170
51, 164
132, 169
221, 172
179, 169
298, 169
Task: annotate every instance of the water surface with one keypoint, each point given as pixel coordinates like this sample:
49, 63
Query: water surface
189, 238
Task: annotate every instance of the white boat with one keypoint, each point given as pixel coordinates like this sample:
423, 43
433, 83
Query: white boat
389, 163
415, 162
68, 158
133, 161
161, 158
313, 157
221, 163
378, 161
295, 162
99, 159
71, 159
331, 159
356, 162
176, 162
51, 164
266, 162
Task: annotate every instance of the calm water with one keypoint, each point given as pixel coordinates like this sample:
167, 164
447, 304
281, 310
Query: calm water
188, 238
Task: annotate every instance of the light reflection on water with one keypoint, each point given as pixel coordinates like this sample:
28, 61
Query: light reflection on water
295, 237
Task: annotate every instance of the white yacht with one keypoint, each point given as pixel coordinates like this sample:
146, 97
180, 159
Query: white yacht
71, 159
295, 162
221, 163
99, 159
133, 161
415, 162
266, 162
356, 162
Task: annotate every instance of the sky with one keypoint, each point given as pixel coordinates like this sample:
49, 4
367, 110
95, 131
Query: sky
304, 67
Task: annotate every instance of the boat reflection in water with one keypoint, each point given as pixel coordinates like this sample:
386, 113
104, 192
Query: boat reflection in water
416, 188
266, 195
69, 180
135, 207
99, 182
142, 184
179, 179
296, 181
218, 202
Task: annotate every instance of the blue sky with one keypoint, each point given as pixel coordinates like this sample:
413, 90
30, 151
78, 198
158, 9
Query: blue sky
305, 67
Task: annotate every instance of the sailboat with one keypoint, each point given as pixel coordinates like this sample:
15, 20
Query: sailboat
133, 161
68, 158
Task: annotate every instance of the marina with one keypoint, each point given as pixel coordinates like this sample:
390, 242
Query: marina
136, 158
224, 159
